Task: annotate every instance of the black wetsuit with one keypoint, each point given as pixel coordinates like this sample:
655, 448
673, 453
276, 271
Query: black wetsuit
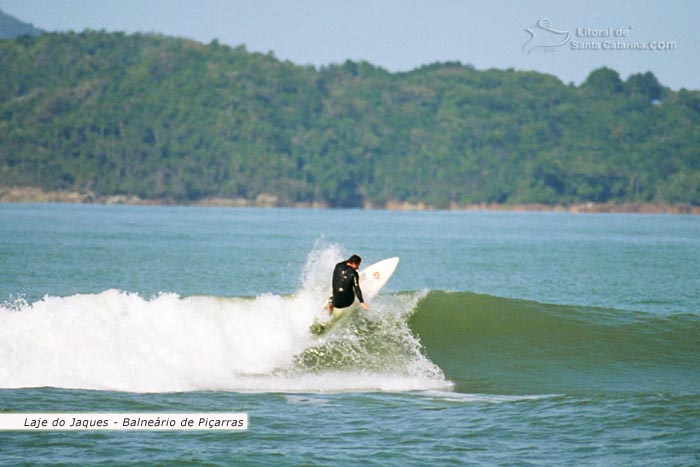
346, 285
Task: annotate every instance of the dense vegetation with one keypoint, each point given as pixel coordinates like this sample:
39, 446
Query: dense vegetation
169, 118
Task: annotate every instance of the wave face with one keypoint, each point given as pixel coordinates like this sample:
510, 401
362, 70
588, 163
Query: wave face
117, 340
498, 345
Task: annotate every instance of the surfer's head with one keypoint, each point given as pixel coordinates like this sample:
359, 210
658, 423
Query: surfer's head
355, 261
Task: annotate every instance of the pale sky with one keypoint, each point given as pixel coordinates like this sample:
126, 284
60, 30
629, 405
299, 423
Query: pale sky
400, 35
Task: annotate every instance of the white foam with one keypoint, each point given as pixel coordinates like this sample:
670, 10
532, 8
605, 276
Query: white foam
117, 340
450, 396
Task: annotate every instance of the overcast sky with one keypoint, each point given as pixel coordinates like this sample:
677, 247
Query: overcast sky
566, 38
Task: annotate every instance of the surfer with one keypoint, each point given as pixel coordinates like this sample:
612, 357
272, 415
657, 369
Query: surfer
346, 285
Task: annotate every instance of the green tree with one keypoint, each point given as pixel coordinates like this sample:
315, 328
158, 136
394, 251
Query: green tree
604, 81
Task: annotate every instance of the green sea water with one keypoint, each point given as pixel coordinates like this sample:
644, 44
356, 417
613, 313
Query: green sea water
502, 338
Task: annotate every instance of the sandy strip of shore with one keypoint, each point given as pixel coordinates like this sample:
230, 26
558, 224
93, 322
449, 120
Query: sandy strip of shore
37, 195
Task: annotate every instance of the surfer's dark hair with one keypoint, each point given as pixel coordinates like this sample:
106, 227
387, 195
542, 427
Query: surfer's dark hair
354, 259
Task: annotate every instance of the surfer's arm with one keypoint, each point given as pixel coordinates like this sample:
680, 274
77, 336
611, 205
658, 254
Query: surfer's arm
358, 292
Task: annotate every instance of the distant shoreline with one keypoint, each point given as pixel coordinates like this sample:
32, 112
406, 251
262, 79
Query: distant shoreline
30, 195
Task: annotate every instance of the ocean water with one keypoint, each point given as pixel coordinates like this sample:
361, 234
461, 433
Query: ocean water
502, 339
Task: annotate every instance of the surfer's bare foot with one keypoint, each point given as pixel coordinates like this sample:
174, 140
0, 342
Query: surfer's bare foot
329, 307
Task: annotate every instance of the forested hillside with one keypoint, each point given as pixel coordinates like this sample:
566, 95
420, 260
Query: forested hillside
12, 27
167, 118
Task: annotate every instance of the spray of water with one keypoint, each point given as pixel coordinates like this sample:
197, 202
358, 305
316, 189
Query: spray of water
116, 340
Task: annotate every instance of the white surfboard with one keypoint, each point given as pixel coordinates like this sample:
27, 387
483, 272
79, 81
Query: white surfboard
372, 279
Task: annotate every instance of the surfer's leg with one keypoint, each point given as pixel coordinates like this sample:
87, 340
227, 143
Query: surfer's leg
329, 306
